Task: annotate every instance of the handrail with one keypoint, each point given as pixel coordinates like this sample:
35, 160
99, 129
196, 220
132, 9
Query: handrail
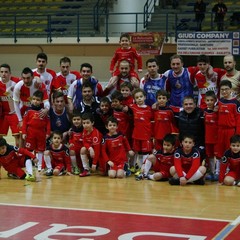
19, 26
101, 8
147, 11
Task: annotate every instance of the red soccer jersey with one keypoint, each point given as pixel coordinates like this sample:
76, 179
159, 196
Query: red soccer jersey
6, 95
163, 122
231, 162
124, 122
211, 126
128, 101
142, 122
93, 139
33, 123
62, 83
23, 94
164, 162
228, 114
46, 77
129, 54
188, 163
76, 138
60, 156
205, 84
115, 149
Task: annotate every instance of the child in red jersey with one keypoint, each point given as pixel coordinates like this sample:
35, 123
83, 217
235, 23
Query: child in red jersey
126, 89
114, 149
230, 164
228, 117
142, 130
164, 121
57, 157
76, 141
187, 164
161, 161
211, 136
92, 139
36, 128
14, 159
126, 52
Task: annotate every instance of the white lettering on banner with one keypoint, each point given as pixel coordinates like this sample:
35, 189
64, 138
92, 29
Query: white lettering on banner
131, 236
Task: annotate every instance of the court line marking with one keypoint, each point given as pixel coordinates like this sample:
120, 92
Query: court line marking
228, 229
119, 212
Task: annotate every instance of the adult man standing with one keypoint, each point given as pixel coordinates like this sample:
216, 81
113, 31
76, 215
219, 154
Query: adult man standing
152, 81
220, 10
9, 117
180, 81
46, 75
232, 75
23, 92
64, 78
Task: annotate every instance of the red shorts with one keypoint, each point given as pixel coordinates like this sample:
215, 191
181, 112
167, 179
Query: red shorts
211, 149
16, 166
36, 142
233, 174
9, 120
59, 167
144, 146
157, 167
117, 167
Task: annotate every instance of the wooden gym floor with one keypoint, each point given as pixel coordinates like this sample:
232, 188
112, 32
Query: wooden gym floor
98, 193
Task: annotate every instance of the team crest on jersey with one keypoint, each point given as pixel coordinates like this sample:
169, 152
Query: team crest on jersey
224, 159
95, 139
177, 155
47, 82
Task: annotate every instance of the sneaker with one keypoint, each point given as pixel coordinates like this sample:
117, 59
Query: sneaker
138, 173
132, 169
12, 175
30, 178
238, 184
141, 176
199, 181
174, 181
209, 177
49, 172
128, 173
85, 173
215, 177
76, 171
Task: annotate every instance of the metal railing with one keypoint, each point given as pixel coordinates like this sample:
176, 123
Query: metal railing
18, 26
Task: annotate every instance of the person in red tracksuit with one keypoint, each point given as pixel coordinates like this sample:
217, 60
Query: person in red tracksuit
115, 148
187, 164
36, 128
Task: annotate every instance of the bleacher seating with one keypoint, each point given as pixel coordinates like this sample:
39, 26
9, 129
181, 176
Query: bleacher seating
35, 18
183, 18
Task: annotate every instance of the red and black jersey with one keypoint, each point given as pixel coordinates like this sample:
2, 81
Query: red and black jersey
60, 156
166, 160
229, 114
188, 163
231, 161
12, 156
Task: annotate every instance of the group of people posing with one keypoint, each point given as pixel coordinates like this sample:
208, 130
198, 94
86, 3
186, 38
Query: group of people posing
174, 126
